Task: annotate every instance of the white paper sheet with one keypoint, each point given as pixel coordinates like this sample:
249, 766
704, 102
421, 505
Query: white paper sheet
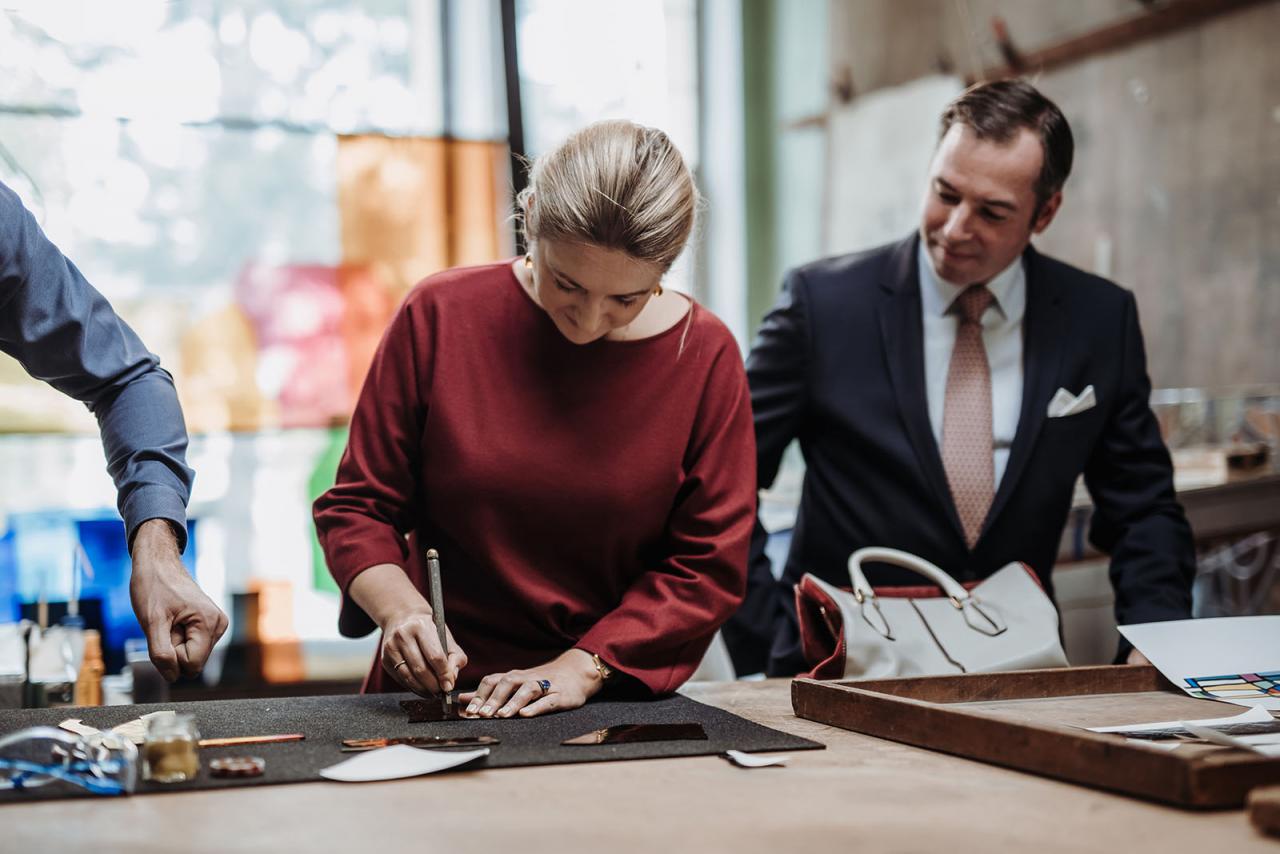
1234, 659
1208, 729
1215, 737
1252, 716
397, 762
754, 760
134, 730
1156, 745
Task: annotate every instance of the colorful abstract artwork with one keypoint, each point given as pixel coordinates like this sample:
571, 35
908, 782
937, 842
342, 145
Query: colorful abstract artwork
1236, 686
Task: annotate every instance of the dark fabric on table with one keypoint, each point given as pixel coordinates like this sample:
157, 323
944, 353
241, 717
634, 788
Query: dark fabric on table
326, 721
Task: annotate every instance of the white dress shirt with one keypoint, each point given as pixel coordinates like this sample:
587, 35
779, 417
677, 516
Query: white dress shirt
1001, 336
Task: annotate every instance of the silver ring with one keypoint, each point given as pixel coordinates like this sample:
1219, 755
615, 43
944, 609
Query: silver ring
400, 664
545, 685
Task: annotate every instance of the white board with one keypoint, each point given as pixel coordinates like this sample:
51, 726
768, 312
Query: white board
879, 150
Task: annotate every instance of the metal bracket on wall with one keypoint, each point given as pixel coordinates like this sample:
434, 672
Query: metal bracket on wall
1154, 21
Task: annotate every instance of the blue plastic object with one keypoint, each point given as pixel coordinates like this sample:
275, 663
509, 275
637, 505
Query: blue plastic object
36, 556
10, 605
41, 755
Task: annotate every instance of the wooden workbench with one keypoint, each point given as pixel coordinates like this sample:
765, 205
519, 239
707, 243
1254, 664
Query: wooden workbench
1236, 507
861, 794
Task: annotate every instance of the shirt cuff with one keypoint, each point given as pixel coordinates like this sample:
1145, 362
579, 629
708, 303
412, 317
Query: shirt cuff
155, 502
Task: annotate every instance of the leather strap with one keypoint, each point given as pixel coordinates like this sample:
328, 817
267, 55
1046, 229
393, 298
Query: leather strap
950, 587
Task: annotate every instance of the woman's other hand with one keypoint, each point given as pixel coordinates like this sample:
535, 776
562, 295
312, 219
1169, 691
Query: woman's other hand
565, 683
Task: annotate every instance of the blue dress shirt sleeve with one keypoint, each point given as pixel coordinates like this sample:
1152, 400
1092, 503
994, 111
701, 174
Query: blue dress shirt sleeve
64, 332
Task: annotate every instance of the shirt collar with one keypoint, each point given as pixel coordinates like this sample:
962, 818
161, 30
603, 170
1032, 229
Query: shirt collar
1009, 287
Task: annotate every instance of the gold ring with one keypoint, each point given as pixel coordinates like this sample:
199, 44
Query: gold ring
400, 664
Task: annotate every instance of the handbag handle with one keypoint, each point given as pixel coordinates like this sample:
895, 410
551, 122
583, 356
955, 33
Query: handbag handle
861, 589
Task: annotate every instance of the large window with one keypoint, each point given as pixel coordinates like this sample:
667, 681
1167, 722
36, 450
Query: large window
586, 60
253, 186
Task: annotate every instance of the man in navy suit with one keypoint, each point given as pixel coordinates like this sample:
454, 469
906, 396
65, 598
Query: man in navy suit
948, 390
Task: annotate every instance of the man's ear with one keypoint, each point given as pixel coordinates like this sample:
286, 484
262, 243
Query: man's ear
1047, 212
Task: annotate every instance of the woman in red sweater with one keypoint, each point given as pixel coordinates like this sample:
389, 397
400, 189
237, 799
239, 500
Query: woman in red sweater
575, 442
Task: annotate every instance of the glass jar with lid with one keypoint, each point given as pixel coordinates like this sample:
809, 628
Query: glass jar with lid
171, 752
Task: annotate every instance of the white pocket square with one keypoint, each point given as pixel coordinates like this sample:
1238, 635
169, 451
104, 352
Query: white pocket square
1065, 403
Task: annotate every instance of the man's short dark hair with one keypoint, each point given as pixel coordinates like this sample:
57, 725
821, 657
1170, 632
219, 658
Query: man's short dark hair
997, 111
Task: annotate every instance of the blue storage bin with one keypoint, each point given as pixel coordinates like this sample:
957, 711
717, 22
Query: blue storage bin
38, 551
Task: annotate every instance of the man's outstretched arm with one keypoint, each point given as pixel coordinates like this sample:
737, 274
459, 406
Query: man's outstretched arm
64, 332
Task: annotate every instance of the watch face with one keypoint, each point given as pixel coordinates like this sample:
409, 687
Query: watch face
634, 733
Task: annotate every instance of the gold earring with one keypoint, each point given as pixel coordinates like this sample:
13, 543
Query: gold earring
528, 261
657, 292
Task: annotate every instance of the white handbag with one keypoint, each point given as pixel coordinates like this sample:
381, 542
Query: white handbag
1004, 622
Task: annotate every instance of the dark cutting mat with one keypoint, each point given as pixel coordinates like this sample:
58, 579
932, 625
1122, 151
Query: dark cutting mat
326, 721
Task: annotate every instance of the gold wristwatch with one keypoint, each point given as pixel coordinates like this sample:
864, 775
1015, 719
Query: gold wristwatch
603, 669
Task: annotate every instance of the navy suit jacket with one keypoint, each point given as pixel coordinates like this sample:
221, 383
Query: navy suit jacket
839, 365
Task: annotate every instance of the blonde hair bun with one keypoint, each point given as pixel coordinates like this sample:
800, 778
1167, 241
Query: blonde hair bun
615, 184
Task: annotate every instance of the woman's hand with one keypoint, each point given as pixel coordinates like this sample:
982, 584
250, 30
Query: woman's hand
565, 683
411, 650
411, 653
1136, 657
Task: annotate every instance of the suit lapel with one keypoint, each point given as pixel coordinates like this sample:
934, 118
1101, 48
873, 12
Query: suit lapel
901, 333
1042, 344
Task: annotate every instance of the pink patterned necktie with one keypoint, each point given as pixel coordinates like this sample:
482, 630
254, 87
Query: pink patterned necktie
966, 417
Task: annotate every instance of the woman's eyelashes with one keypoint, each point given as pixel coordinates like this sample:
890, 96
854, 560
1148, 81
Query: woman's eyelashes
624, 301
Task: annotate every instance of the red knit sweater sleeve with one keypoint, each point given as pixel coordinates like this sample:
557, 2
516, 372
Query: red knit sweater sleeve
362, 521
668, 616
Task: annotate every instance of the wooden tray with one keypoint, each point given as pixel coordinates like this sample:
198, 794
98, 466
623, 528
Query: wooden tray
1030, 720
